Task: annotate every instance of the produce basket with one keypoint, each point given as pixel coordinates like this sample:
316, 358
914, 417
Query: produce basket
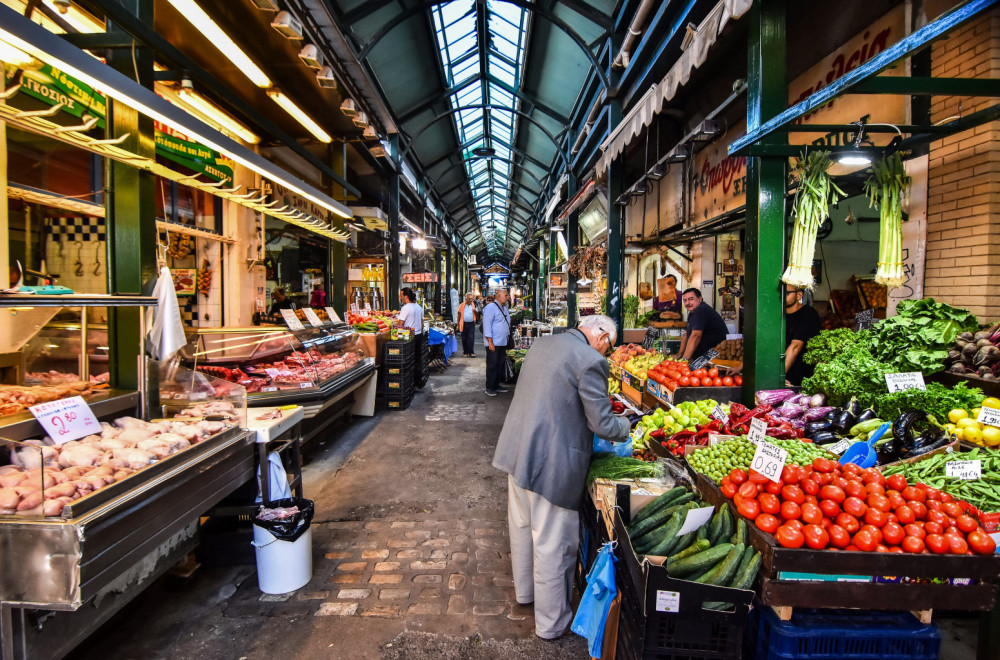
871, 294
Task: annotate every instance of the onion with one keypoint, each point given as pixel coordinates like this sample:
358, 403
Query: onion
817, 400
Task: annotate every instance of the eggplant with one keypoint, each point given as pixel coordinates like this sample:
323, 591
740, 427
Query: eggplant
816, 414
832, 415
886, 452
843, 422
818, 426
824, 437
926, 448
866, 414
902, 429
853, 407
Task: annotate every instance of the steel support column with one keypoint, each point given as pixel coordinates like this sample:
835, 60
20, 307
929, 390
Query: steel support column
572, 236
448, 283
767, 95
392, 240
130, 220
337, 293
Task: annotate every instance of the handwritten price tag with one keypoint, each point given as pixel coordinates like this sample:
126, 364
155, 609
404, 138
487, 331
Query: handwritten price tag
333, 315
967, 470
66, 419
905, 381
291, 320
272, 373
864, 319
989, 416
840, 447
709, 355
769, 460
720, 415
312, 317
758, 431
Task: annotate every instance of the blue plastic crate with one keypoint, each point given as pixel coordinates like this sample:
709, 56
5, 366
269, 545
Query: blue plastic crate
843, 635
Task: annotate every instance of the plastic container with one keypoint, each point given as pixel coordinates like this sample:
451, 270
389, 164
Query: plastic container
282, 566
842, 635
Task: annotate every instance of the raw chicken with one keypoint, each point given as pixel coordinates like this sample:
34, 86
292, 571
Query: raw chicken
111, 444
156, 448
191, 432
134, 459
80, 455
30, 458
109, 431
174, 441
134, 435
130, 423
211, 428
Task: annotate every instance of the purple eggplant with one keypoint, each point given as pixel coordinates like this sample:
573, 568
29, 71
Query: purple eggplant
774, 398
816, 414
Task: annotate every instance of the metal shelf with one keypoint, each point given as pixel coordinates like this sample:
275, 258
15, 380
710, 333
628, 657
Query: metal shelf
74, 300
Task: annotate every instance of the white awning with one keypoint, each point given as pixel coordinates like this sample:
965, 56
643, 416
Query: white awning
653, 100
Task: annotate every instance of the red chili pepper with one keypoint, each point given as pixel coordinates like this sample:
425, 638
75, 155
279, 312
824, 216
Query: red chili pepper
658, 433
783, 433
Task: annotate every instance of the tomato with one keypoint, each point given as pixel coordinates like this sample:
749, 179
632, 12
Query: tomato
851, 471
748, 490
811, 514
809, 486
881, 548
851, 548
919, 510
876, 517
981, 543
933, 528
700, 373
811, 499
738, 380
794, 522
933, 495
934, 505
832, 493
891, 517
874, 531
773, 487
823, 465
769, 503
946, 497
895, 500
915, 530
896, 482
913, 545
913, 494
937, 517
737, 498
789, 537
957, 545
793, 494
758, 478
872, 476
738, 476
966, 523
848, 522
816, 537
951, 530
767, 523
706, 382
864, 541
855, 507
936, 543
713, 373
684, 381
790, 475
896, 549
880, 502
727, 382
822, 479
716, 382
791, 511
829, 508
839, 538
854, 488
728, 490
874, 489
893, 534
749, 509
952, 509
839, 482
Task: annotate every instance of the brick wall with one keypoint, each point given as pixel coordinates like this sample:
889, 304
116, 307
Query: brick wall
963, 203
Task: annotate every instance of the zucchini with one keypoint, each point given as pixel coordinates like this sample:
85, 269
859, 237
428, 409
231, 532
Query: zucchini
701, 562
725, 569
659, 518
714, 526
682, 543
741, 534
652, 534
747, 572
669, 538
725, 527
698, 546
661, 502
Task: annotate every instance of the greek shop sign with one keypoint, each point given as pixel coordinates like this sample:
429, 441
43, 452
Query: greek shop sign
175, 146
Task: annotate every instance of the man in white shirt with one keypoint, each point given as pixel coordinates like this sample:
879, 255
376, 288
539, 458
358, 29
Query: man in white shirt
412, 315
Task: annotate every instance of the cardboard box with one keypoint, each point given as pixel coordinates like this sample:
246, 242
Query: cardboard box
372, 343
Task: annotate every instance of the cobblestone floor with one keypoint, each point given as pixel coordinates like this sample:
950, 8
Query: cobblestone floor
410, 554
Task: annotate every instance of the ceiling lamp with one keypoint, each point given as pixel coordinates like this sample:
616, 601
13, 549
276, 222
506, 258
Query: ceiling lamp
287, 25
79, 20
190, 10
360, 120
657, 172
326, 79
418, 243
11, 55
311, 56
300, 116
370, 133
216, 115
484, 152
349, 107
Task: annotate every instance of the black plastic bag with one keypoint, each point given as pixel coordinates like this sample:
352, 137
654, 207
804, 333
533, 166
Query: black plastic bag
292, 527
509, 374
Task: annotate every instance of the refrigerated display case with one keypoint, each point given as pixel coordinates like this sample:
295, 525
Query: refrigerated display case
66, 350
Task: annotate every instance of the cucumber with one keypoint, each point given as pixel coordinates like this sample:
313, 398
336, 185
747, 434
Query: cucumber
714, 526
740, 536
747, 572
700, 562
703, 534
652, 535
682, 543
698, 546
661, 502
659, 518
725, 569
726, 527
669, 538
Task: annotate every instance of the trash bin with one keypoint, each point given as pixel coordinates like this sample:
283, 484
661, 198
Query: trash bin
283, 545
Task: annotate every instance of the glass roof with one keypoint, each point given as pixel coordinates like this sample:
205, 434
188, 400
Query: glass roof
456, 25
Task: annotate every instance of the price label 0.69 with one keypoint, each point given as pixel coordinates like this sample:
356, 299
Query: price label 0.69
989, 416
967, 470
769, 460
758, 431
905, 381
66, 419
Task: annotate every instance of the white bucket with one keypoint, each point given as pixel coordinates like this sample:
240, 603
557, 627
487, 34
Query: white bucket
282, 566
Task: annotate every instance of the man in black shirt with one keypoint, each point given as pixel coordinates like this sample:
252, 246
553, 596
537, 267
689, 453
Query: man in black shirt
705, 328
801, 324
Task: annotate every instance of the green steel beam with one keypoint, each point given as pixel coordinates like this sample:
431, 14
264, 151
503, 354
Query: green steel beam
927, 86
130, 210
916, 41
337, 294
767, 95
392, 277
572, 232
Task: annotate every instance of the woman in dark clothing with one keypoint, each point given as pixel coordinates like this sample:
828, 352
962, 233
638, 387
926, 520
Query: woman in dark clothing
668, 298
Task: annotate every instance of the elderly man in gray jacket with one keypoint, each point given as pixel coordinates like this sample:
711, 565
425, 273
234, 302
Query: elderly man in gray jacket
560, 402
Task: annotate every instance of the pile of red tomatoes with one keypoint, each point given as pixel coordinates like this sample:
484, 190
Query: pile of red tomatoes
673, 374
842, 507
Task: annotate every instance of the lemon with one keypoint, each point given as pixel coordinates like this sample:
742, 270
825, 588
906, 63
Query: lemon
975, 413
973, 434
991, 402
959, 434
991, 436
967, 422
950, 428
957, 414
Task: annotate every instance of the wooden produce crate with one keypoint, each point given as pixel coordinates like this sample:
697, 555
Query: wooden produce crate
878, 591
720, 394
989, 388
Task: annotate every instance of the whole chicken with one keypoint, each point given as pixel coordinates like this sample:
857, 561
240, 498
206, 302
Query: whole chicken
211, 428
133, 436
130, 423
134, 459
32, 458
156, 448
80, 455
190, 432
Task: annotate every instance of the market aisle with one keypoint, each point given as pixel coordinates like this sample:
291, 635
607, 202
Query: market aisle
410, 554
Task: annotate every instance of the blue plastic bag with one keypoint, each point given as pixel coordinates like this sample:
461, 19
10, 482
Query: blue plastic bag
602, 446
592, 614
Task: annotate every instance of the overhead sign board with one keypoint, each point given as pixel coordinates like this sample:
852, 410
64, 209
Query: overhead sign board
419, 278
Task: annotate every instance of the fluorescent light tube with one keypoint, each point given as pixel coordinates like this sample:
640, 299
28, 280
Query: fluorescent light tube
295, 111
78, 19
419, 244
201, 21
210, 111
11, 55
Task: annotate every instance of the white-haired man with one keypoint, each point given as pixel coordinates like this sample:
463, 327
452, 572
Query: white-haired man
560, 402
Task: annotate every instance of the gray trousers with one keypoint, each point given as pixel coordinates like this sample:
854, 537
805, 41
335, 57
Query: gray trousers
543, 546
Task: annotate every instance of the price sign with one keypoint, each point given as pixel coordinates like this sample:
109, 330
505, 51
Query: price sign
354, 307
989, 416
272, 373
967, 470
905, 381
637, 434
368, 307
840, 447
758, 431
305, 386
312, 317
668, 601
333, 315
66, 419
700, 362
719, 414
269, 389
864, 319
291, 320
769, 460
696, 518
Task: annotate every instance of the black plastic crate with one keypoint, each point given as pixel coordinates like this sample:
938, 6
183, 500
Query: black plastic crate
398, 403
398, 348
226, 541
404, 361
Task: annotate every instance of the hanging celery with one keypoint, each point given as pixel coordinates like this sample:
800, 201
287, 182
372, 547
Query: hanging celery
886, 188
811, 207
